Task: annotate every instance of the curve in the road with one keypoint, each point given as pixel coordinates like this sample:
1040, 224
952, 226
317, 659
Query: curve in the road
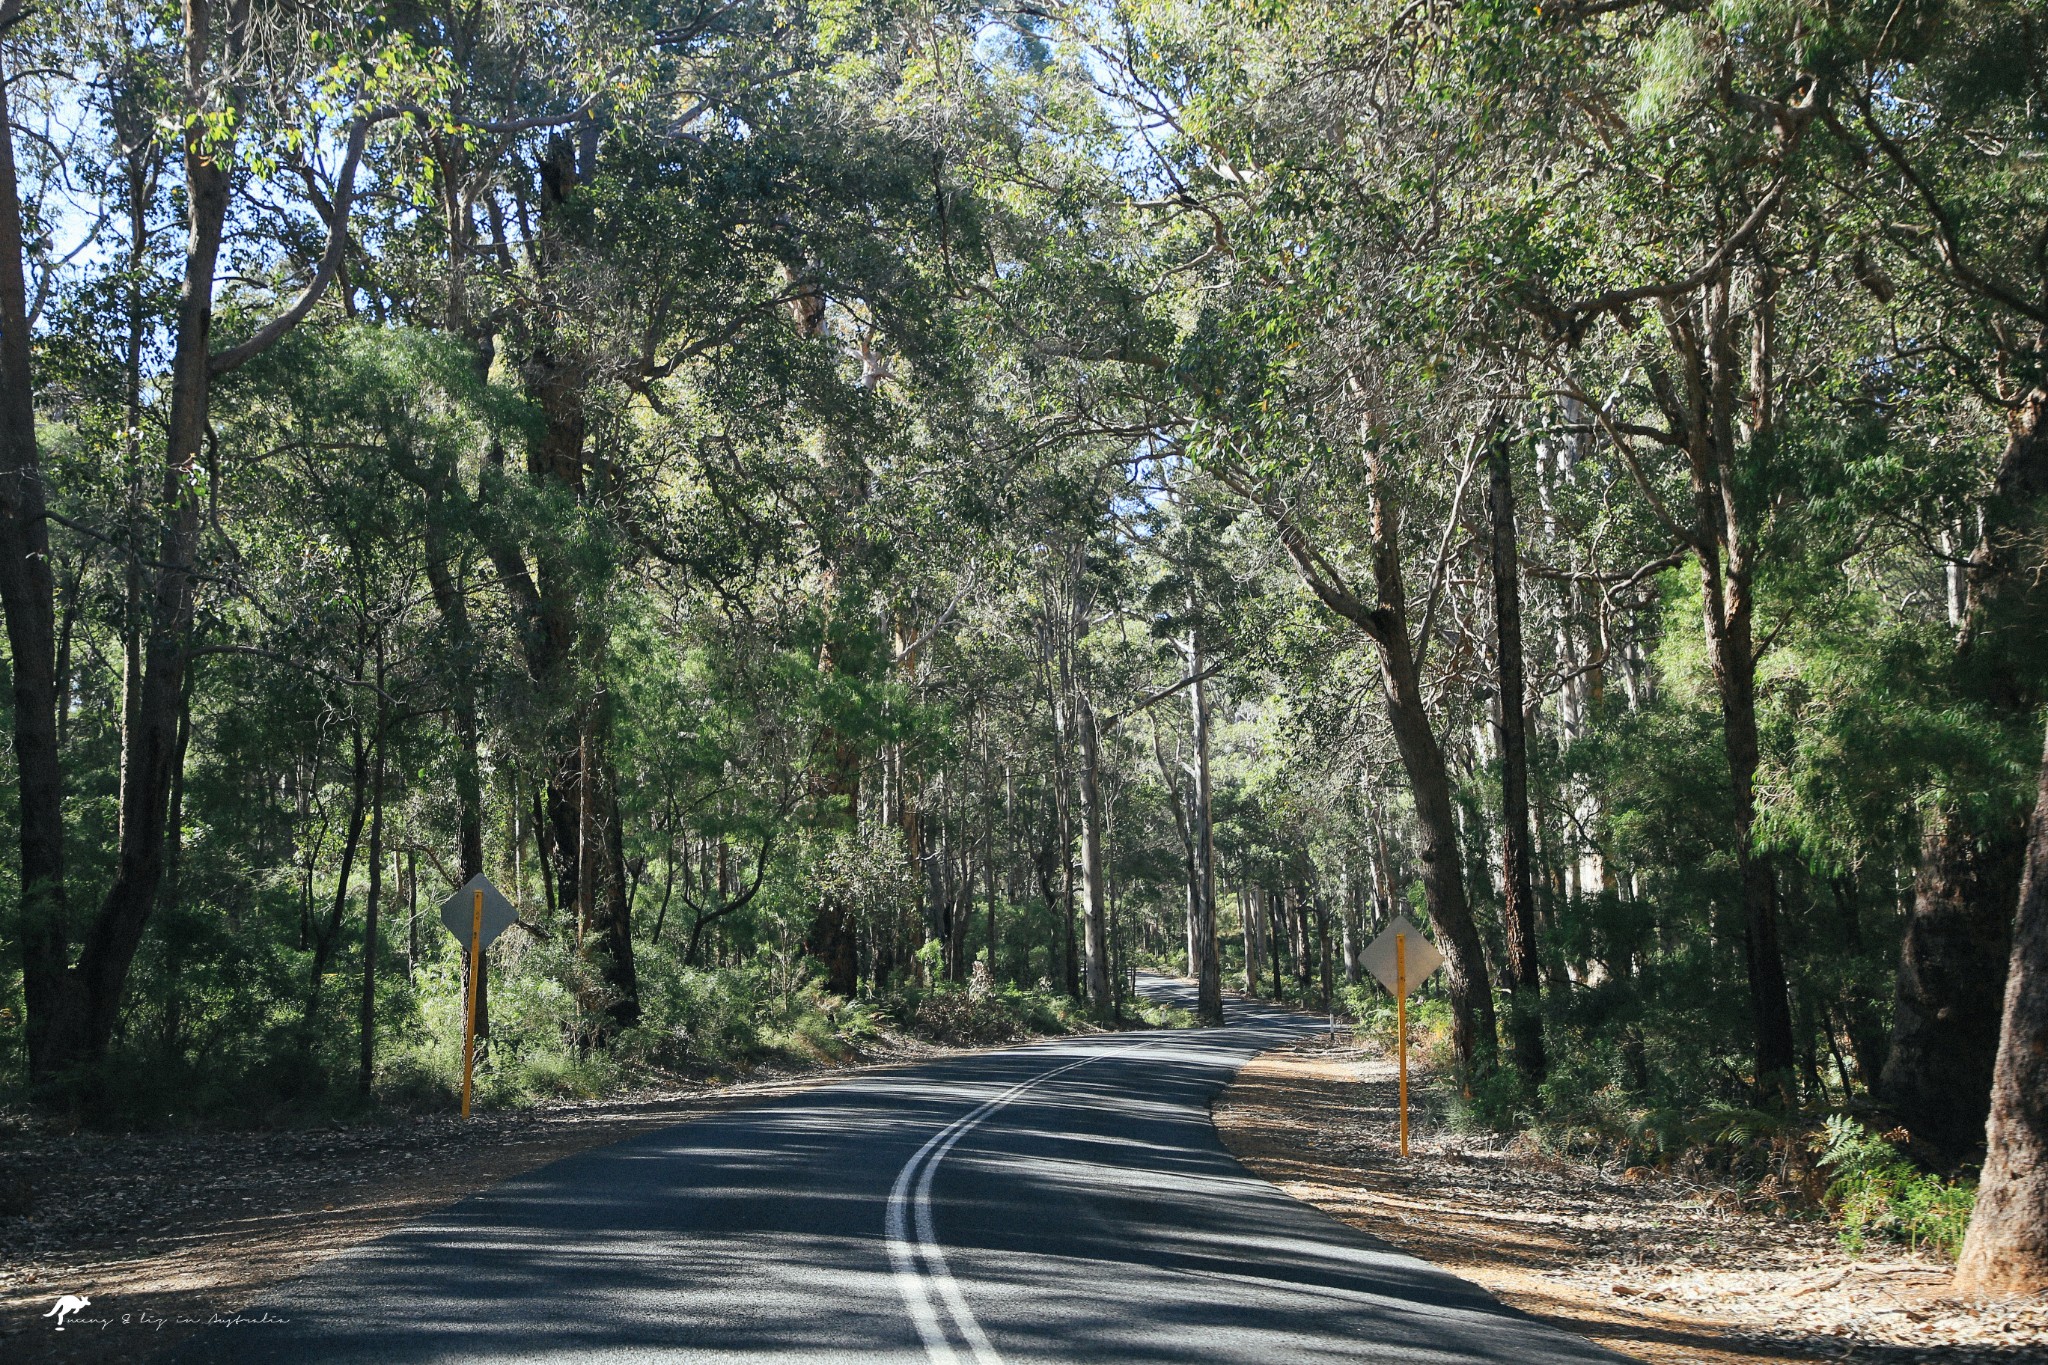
921, 1268
1064, 1201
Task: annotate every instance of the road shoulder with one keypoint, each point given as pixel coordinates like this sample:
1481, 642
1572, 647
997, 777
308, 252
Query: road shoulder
1668, 1272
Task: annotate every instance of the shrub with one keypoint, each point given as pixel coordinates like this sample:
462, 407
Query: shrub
980, 1014
1877, 1191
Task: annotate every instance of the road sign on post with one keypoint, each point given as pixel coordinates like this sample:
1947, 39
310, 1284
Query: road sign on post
1402, 959
476, 915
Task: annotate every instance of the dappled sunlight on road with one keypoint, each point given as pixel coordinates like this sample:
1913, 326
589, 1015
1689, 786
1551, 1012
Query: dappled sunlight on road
1083, 1209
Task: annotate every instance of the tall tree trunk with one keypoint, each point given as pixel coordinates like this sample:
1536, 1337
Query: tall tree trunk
56, 1007
1304, 941
1353, 941
453, 606
617, 926
174, 863
366, 1014
80, 1006
1094, 922
1272, 929
1731, 651
1385, 623
1208, 970
1254, 944
1322, 913
1443, 882
1518, 909
328, 935
2006, 1248
1717, 426
116, 931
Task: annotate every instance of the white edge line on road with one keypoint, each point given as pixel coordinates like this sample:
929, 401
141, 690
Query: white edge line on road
904, 1201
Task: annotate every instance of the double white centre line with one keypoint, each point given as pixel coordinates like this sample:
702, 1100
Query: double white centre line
914, 1252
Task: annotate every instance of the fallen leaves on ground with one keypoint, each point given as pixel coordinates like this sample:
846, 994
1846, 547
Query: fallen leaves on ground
1669, 1271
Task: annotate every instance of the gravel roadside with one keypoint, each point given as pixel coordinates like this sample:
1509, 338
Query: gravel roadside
1667, 1271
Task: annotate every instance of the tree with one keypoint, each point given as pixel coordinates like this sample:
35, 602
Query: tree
2006, 1249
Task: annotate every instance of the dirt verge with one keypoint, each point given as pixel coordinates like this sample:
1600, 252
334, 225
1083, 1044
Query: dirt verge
1669, 1272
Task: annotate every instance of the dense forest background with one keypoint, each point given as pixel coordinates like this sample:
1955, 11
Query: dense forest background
863, 511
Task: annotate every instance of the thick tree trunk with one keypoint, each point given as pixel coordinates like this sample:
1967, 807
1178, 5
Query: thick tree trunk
1518, 908
1443, 883
1945, 1016
1385, 623
81, 1006
174, 863
2006, 1249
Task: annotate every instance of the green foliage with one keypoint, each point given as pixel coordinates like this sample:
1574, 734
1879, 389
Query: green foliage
980, 1013
1876, 1191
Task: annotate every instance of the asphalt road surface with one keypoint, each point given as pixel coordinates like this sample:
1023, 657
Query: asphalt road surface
1064, 1201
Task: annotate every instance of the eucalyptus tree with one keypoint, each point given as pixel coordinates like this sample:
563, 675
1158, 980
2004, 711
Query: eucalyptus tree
1944, 107
1316, 383
1937, 108
256, 102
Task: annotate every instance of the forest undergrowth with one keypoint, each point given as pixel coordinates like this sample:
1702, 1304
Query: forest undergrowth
699, 1025
1812, 1162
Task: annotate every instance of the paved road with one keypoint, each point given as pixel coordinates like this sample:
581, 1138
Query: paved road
1065, 1201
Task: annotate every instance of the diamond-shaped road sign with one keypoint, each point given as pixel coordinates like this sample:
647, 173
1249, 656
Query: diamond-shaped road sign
1422, 956
458, 912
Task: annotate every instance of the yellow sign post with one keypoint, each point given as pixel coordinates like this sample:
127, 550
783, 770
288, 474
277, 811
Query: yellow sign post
476, 915
1401, 958
1400, 1027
